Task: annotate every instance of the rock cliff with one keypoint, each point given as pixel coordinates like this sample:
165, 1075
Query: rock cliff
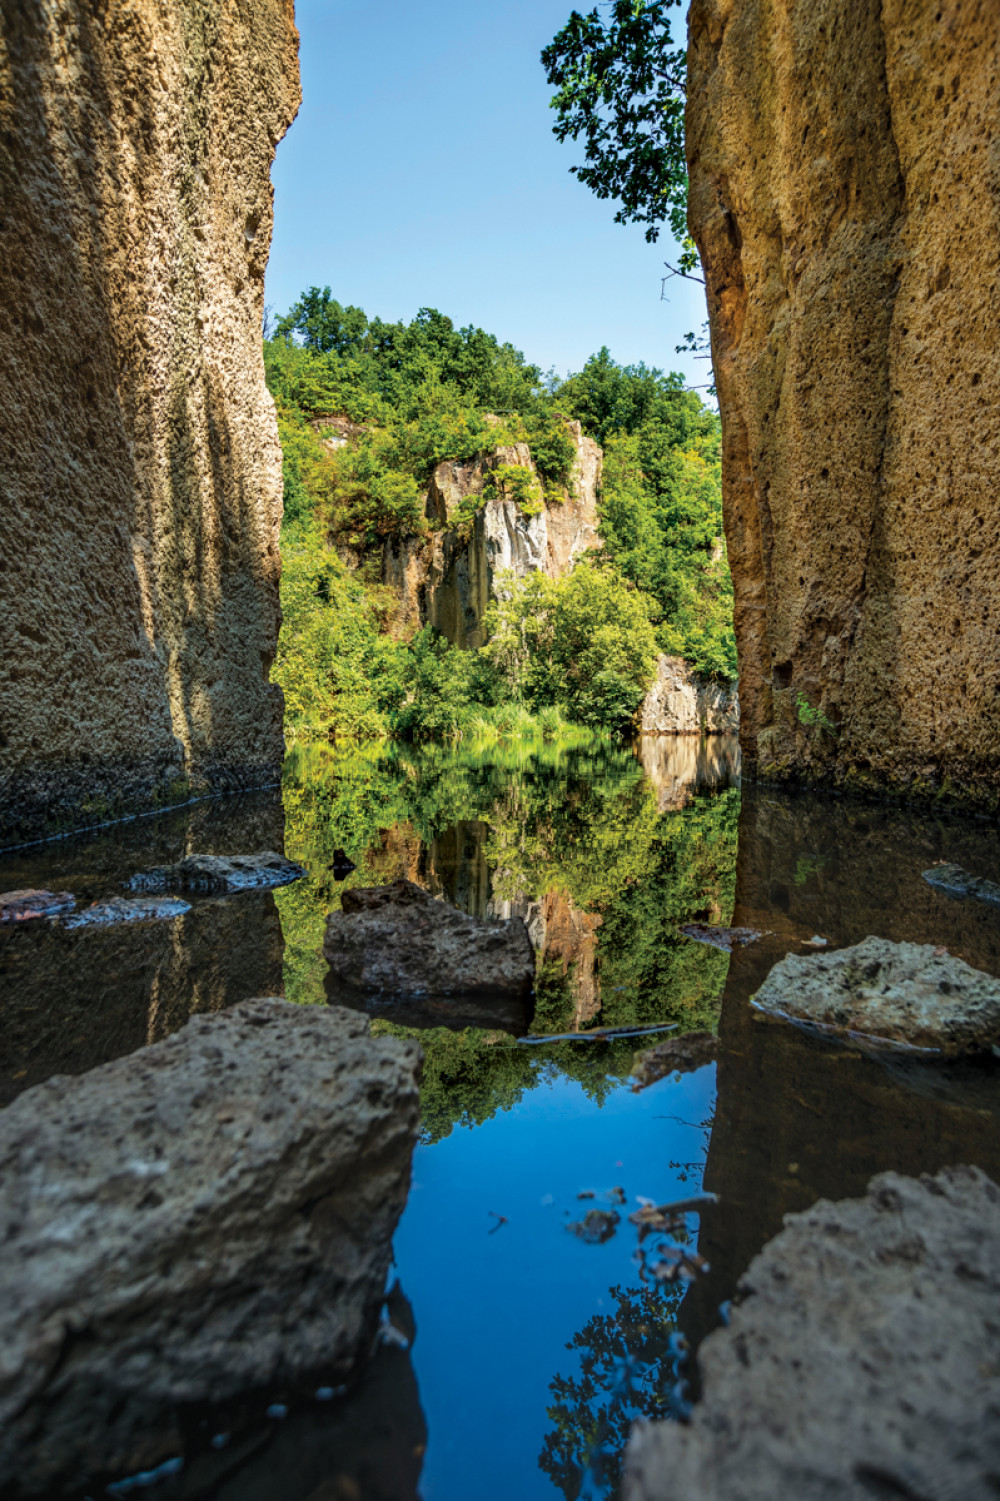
141, 476
681, 703
449, 579
844, 188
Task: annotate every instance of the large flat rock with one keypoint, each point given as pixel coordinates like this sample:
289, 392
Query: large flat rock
907, 994
208, 1215
861, 1362
398, 941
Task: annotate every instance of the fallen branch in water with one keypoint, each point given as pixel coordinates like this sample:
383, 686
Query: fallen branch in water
599, 1034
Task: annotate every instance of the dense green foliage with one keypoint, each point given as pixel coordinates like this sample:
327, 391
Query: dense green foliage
366, 411
542, 818
620, 86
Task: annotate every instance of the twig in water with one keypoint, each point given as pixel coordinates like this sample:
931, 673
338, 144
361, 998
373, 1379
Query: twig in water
599, 1034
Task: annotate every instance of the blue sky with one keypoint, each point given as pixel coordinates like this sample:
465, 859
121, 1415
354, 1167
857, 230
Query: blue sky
422, 172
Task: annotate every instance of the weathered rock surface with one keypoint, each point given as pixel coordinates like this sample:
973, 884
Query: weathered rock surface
127, 909
140, 488
28, 904
958, 882
861, 1360
843, 197
911, 994
450, 579
220, 873
680, 703
399, 941
208, 1215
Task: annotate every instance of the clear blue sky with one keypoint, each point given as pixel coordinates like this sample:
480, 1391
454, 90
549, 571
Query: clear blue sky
422, 172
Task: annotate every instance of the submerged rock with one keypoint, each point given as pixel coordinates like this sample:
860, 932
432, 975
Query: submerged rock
208, 1215
860, 1362
958, 882
910, 994
217, 873
720, 938
27, 905
397, 940
128, 909
676, 1055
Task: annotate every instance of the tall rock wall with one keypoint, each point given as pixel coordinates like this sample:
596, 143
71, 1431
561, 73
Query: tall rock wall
845, 195
140, 478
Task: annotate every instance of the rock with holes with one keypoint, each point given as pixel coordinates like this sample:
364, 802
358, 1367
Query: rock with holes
860, 1361
220, 873
398, 941
208, 1215
907, 994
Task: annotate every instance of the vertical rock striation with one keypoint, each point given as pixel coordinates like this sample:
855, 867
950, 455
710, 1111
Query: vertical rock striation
845, 195
140, 477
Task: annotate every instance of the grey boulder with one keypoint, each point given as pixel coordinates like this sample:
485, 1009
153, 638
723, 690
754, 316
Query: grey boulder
860, 1363
127, 909
208, 1215
219, 873
903, 994
398, 940
958, 882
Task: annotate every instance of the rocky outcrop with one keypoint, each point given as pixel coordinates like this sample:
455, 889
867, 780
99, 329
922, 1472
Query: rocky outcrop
220, 873
843, 197
449, 579
912, 995
206, 1216
140, 486
681, 703
399, 942
860, 1360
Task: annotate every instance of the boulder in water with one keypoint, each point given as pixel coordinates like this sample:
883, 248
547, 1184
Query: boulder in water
860, 1360
208, 1215
398, 941
220, 873
905, 994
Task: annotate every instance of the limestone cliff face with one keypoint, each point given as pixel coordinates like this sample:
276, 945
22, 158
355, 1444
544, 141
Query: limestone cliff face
681, 703
450, 579
845, 195
140, 482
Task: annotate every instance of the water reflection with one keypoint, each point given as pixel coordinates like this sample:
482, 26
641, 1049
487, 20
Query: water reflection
72, 999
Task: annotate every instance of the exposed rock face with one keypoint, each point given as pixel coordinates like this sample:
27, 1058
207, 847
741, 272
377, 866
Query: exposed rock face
140, 486
205, 1216
861, 1361
907, 993
450, 579
681, 703
398, 941
843, 195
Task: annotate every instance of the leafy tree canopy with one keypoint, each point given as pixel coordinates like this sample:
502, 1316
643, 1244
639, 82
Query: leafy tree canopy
620, 84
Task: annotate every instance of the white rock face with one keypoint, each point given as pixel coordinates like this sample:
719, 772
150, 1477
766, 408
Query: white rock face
679, 703
210, 1214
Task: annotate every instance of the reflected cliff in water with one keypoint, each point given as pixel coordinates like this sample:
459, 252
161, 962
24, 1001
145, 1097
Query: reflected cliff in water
74, 998
799, 1118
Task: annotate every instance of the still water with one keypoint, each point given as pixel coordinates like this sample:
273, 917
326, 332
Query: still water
515, 1354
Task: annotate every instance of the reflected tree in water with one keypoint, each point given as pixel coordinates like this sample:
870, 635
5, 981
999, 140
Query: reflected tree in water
628, 1367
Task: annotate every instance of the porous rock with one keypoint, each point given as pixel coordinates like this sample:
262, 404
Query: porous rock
141, 478
127, 909
843, 197
220, 873
911, 994
860, 1359
679, 702
958, 882
207, 1215
398, 940
28, 904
